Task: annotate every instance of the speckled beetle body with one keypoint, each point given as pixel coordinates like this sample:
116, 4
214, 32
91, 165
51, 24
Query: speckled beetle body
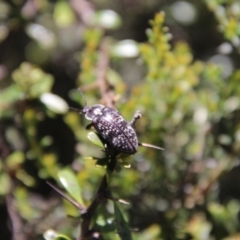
113, 128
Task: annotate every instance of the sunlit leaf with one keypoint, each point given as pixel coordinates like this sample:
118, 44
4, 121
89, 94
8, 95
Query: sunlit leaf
62, 237
70, 183
107, 19
10, 95
54, 103
5, 183
93, 137
24, 177
26, 210
33, 81
45, 37
63, 14
51, 234
15, 159
125, 49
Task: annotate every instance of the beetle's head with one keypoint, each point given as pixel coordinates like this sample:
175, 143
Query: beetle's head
91, 112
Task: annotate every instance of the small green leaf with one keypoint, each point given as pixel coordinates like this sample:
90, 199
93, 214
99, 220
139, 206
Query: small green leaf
32, 80
93, 137
5, 183
51, 234
25, 178
121, 225
63, 14
89, 158
26, 211
125, 160
14, 160
44, 36
70, 183
9, 95
62, 237
46, 141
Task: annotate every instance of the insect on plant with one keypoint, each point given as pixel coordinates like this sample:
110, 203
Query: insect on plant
113, 128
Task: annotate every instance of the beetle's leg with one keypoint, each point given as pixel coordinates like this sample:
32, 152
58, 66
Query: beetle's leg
105, 148
89, 126
136, 116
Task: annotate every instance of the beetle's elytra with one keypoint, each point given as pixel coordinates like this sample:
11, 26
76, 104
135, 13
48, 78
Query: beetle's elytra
113, 128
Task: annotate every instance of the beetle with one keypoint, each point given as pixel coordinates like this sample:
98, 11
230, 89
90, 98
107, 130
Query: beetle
113, 128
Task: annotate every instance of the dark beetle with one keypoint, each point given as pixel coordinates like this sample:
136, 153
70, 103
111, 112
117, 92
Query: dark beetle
113, 128
116, 131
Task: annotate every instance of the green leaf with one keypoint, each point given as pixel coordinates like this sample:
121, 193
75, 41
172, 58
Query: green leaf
26, 211
121, 225
5, 183
63, 14
62, 237
32, 80
70, 183
53, 235
125, 160
93, 137
14, 160
10, 94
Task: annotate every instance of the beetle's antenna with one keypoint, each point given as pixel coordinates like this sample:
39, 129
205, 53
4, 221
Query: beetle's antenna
76, 110
150, 146
85, 102
84, 99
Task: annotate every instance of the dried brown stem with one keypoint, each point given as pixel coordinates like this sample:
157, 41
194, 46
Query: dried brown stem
102, 68
84, 10
106, 91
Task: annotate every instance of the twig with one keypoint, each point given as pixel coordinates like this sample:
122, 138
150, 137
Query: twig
103, 193
102, 68
16, 221
84, 10
106, 90
87, 217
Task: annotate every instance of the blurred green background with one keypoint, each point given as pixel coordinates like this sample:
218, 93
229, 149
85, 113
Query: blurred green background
177, 62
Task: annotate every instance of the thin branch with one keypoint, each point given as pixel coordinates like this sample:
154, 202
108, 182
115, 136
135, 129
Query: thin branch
84, 10
103, 193
102, 68
87, 217
16, 221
